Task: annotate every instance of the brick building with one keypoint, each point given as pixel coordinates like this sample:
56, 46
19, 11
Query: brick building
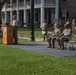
67, 9
44, 9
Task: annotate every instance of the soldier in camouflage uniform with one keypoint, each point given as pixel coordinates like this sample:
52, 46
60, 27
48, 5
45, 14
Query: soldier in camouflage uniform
52, 38
64, 36
15, 24
44, 30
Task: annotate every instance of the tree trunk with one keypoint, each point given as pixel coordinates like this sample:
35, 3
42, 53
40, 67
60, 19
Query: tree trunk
1, 5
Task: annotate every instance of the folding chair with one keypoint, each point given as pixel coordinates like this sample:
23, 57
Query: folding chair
67, 39
72, 44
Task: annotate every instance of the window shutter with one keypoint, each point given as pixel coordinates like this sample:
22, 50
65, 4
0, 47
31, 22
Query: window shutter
60, 14
67, 14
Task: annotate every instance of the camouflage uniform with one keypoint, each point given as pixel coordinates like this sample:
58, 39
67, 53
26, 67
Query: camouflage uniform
44, 30
73, 26
15, 24
51, 40
64, 36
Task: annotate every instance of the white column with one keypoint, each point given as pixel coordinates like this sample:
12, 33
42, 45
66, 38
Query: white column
5, 12
42, 12
18, 10
56, 9
11, 14
25, 12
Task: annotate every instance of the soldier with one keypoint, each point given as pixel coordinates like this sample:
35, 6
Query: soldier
44, 30
69, 23
64, 36
52, 38
15, 24
61, 23
55, 23
73, 26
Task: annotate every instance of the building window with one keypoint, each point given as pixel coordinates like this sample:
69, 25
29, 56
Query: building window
36, 17
8, 2
64, 15
63, 0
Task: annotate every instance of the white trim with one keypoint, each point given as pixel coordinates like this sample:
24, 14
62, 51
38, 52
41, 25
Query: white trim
5, 12
57, 9
17, 10
11, 14
42, 12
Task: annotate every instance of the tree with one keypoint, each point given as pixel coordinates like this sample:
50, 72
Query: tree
2, 2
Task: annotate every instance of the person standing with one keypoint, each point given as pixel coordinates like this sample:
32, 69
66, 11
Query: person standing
68, 22
44, 30
15, 24
73, 26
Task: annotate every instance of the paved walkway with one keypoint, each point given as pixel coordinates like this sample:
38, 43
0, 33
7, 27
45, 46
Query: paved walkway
42, 48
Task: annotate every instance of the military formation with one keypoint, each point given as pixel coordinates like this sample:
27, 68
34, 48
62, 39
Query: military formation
62, 32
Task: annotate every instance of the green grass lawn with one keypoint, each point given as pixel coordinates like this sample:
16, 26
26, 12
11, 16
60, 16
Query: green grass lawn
14, 61
38, 32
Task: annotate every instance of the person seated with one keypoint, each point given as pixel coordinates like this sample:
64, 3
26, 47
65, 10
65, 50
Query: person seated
44, 30
64, 36
51, 39
73, 26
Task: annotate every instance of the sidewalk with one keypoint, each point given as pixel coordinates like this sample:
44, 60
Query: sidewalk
41, 47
